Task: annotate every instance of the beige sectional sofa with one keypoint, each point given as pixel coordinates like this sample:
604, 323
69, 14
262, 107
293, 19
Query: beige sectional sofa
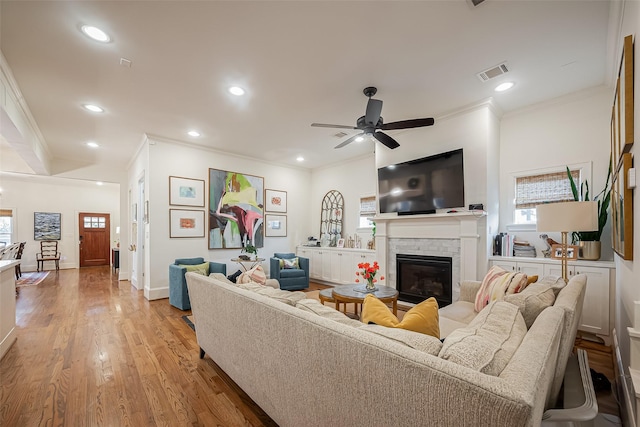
306, 364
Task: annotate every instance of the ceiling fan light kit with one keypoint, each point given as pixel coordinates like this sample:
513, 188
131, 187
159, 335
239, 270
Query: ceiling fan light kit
371, 123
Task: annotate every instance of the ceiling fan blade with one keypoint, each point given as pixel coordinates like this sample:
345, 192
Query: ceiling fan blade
408, 124
348, 141
323, 125
386, 140
374, 108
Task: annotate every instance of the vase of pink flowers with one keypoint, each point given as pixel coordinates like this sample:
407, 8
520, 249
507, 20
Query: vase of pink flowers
368, 274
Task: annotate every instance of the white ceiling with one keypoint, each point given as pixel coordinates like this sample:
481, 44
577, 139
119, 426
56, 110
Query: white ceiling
300, 62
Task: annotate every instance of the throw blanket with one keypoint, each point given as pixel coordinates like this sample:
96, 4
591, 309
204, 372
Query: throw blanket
496, 284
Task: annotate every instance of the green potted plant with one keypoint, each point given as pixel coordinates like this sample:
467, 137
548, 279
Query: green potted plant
589, 241
250, 249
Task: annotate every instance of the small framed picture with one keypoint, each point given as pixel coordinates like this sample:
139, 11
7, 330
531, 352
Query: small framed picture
186, 223
275, 201
186, 191
340, 243
556, 252
276, 225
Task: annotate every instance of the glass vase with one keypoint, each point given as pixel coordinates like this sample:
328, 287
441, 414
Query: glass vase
370, 286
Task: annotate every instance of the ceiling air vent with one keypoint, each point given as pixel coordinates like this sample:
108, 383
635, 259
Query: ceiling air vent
340, 135
493, 72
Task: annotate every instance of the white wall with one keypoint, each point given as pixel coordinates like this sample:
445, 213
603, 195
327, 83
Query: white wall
628, 272
565, 131
475, 130
172, 158
353, 179
33, 193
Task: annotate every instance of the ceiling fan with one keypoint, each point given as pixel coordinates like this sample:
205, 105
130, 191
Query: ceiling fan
371, 123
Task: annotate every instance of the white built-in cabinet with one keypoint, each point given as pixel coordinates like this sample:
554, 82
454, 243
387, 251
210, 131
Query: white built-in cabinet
335, 265
599, 300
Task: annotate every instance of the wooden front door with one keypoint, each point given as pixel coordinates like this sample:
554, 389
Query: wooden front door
94, 239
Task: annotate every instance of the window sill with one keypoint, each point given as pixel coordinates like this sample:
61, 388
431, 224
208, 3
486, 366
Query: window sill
521, 227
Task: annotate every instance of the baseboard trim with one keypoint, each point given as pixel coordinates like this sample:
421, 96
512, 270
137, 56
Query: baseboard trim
156, 293
626, 396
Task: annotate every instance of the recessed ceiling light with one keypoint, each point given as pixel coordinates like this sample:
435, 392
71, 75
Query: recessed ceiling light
359, 139
96, 33
504, 86
99, 183
300, 159
93, 108
92, 144
236, 90
193, 133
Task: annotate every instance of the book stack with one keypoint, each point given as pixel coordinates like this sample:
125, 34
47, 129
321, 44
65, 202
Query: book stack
523, 249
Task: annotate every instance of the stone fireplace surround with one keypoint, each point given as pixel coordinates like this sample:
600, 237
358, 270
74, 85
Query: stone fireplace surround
454, 235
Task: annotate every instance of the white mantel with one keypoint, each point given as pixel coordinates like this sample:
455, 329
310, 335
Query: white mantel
463, 228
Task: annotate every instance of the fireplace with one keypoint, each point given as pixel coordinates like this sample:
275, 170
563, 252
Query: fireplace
420, 277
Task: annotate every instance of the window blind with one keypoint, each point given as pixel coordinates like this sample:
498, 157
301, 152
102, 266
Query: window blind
368, 206
552, 187
6, 212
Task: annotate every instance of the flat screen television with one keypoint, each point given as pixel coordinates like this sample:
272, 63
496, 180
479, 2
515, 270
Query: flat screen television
423, 185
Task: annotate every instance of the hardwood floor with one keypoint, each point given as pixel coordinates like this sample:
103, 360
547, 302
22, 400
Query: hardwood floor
93, 351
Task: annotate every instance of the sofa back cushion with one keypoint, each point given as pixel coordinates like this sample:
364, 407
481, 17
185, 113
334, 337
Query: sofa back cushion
490, 340
284, 255
532, 300
287, 297
421, 342
189, 261
316, 307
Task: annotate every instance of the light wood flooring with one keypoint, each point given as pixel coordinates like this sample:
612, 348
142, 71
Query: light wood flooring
93, 351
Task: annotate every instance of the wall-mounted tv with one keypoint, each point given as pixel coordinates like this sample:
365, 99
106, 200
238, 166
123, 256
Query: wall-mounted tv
422, 185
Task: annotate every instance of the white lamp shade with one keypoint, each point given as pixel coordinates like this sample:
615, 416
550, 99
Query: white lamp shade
567, 216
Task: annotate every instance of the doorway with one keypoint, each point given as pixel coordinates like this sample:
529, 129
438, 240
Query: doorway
94, 232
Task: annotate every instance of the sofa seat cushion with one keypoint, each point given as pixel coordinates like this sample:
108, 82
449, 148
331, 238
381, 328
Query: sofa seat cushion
490, 340
420, 342
422, 318
531, 301
316, 307
286, 297
460, 311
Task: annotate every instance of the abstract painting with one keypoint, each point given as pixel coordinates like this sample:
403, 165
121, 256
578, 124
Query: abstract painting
236, 209
46, 226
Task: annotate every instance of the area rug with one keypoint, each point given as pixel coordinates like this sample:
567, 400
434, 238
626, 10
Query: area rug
32, 279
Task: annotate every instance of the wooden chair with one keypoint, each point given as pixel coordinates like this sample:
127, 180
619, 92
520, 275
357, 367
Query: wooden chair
19, 256
48, 252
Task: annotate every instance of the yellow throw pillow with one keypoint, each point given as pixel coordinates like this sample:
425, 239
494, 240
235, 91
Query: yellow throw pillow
197, 268
422, 318
531, 279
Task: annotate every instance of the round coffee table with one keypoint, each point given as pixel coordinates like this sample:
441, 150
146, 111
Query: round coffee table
345, 294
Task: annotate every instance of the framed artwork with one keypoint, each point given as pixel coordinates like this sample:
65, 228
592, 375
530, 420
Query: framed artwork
623, 107
186, 191
236, 210
186, 223
622, 210
556, 252
340, 243
275, 201
134, 212
276, 225
46, 226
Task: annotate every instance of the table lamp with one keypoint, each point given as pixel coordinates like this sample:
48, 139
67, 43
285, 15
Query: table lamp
565, 217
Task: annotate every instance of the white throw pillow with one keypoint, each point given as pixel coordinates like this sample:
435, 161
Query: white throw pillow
532, 300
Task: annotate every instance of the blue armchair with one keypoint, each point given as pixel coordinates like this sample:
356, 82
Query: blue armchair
290, 279
178, 292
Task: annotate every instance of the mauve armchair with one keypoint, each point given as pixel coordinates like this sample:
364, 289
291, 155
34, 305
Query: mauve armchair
290, 279
178, 291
